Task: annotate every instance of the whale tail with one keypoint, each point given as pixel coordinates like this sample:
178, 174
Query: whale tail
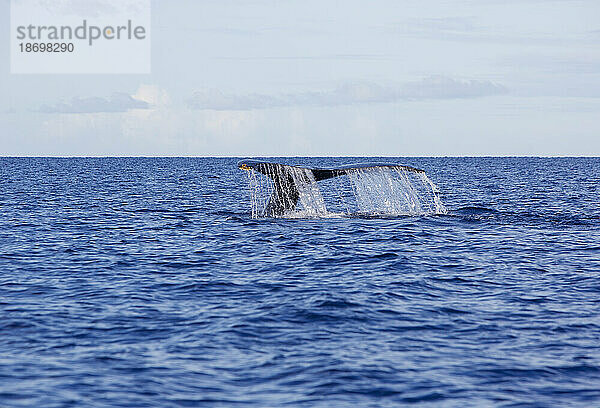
288, 179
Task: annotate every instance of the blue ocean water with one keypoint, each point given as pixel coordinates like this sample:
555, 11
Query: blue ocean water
144, 282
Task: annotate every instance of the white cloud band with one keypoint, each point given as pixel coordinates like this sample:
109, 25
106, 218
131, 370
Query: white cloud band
357, 93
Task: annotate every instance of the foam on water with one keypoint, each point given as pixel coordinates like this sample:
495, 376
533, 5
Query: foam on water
365, 191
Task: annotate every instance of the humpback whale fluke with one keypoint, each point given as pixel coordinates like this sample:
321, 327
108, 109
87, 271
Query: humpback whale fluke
285, 191
287, 179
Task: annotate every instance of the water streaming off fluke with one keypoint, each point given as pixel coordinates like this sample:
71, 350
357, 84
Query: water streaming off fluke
279, 190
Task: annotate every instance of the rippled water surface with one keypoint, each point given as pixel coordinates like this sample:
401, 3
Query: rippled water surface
145, 282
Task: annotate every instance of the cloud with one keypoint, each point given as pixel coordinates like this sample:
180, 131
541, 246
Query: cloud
447, 88
437, 87
153, 95
118, 102
444, 25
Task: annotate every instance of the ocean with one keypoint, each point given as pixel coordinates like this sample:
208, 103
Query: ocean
146, 282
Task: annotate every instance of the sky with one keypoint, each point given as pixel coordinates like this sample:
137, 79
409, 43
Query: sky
326, 78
